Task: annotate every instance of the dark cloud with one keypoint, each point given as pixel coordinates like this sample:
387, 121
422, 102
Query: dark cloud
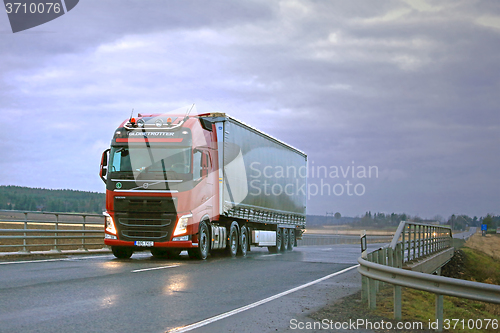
408, 86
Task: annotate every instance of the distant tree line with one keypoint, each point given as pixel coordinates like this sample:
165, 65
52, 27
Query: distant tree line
457, 222
37, 199
382, 219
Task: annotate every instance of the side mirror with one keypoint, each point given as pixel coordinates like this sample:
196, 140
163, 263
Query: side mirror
104, 165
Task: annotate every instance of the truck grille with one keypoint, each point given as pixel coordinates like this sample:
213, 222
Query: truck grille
145, 218
144, 222
143, 234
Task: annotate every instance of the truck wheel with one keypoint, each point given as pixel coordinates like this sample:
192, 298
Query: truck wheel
232, 244
291, 239
201, 252
242, 249
279, 242
122, 252
285, 241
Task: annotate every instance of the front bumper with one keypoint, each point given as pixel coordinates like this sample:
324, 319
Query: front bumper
176, 244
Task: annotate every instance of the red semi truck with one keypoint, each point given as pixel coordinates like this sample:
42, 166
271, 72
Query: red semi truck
201, 183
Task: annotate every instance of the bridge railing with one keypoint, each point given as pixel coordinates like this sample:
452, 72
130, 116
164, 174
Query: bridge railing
25, 230
412, 245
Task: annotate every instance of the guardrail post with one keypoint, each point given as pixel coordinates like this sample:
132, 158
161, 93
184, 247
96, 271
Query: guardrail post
397, 303
371, 288
420, 241
382, 255
398, 256
372, 294
83, 248
375, 260
364, 289
439, 312
403, 247
390, 257
25, 249
414, 241
55, 249
427, 240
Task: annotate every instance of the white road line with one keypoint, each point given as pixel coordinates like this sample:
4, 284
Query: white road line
30, 261
270, 255
253, 305
154, 268
49, 260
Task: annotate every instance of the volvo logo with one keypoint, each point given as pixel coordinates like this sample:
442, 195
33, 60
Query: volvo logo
145, 185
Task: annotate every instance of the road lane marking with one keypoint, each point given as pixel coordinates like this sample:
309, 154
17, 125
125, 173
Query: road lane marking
253, 305
270, 255
29, 261
51, 260
154, 268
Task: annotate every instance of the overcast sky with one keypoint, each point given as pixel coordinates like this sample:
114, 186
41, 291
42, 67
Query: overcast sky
409, 87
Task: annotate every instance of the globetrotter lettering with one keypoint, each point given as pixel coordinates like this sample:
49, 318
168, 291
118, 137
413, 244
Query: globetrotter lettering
145, 134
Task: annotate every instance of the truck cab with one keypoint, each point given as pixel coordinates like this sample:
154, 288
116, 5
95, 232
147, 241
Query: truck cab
160, 175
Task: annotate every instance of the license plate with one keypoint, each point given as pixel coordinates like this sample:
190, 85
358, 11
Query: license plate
144, 243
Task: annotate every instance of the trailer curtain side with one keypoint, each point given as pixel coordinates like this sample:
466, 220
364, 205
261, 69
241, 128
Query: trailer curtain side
263, 178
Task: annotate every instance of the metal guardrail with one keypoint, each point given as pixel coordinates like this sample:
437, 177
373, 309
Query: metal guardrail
65, 220
334, 239
413, 242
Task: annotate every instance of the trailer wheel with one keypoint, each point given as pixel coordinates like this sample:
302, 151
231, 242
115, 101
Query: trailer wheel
285, 240
279, 242
232, 244
242, 249
122, 252
291, 239
201, 252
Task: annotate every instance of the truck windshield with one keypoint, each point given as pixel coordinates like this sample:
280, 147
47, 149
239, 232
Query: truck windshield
150, 160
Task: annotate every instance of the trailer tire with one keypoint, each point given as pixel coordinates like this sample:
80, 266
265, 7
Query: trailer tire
233, 240
285, 239
201, 252
279, 242
291, 239
243, 246
122, 252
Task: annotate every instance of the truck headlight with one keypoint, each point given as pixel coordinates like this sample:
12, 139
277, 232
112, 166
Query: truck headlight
110, 225
182, 224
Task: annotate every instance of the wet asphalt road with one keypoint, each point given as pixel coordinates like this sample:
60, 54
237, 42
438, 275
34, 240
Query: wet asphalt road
99, 293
